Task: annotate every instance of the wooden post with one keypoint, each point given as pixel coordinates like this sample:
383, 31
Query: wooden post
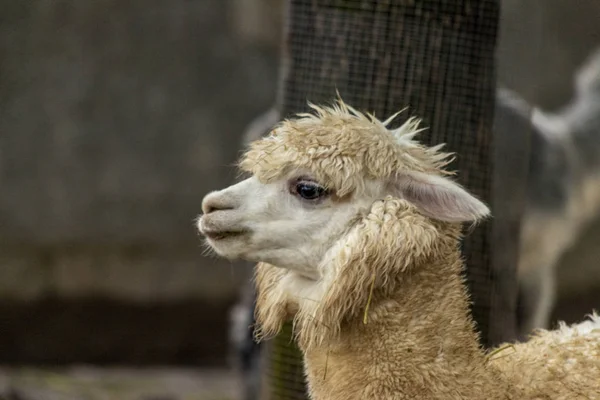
437, 58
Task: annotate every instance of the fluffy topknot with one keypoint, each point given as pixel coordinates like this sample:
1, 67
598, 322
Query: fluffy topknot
342, 147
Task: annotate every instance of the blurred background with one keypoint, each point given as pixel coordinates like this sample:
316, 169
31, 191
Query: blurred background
116, 118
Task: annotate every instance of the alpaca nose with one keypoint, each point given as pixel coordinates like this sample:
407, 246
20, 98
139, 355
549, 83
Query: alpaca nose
216, 201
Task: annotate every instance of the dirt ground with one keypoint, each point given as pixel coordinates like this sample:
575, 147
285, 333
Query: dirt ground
91, 383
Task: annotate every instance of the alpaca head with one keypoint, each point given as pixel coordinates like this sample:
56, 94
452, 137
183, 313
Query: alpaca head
334, 196
313, 175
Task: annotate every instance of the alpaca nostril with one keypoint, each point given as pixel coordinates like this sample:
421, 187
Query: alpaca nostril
215, 203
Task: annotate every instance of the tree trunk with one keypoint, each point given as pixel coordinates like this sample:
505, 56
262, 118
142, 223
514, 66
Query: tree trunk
437, 58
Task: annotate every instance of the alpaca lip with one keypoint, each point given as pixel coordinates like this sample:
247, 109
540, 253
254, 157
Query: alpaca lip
215, 229
219, 235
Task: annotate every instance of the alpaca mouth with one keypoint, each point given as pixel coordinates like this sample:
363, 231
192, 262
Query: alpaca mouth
220, 235
214, 228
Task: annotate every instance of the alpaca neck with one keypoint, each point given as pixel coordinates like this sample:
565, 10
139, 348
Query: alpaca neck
417, 344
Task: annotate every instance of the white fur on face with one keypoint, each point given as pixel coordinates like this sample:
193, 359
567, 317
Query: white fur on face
275, 226
267, 223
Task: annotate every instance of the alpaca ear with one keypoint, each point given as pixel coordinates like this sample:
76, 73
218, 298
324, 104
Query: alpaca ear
439, 198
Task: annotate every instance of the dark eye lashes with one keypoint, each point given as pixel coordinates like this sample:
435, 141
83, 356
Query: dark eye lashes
309, 190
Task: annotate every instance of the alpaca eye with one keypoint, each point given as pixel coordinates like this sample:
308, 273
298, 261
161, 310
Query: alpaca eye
309, 190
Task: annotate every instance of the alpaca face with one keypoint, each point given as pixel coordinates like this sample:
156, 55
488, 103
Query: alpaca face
313, 177
291, 222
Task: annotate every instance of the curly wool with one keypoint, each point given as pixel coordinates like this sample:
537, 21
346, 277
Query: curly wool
562, 364
343, 147
362, 265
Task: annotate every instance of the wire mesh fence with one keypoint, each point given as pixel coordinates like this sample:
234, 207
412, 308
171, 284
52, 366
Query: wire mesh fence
437, 59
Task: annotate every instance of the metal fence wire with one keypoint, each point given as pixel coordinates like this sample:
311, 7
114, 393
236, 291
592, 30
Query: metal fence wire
438, 58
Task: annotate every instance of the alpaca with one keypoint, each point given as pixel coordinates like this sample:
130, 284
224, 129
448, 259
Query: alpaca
563, 190
355, 229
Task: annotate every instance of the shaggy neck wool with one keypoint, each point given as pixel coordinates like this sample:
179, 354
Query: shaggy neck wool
418, 341
417, 344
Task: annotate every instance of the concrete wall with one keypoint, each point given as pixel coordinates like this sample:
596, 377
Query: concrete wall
542, 42
116, 118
